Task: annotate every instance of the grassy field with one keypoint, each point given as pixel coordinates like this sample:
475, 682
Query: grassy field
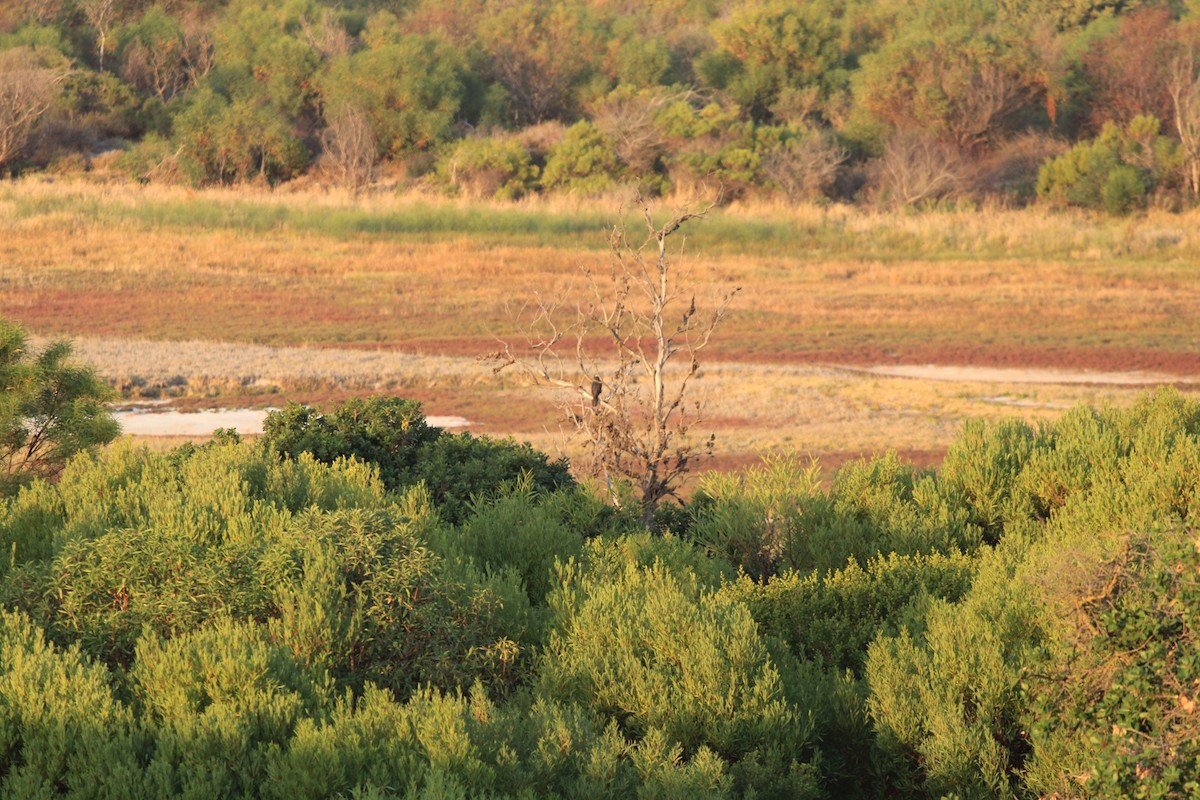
239, 297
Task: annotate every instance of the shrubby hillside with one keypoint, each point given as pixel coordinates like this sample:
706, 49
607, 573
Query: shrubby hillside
1092, 103
345, 610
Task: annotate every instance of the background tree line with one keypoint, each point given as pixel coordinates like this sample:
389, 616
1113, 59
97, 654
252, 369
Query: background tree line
1081, 102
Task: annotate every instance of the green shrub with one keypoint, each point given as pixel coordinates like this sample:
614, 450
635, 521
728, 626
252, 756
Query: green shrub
411, 89
832, 618
371, 603
384, 431
948, 703
1116, 712
216, 701
50, 410
227, 141
776, 517
458, 468
489, 167
62, 730
514, 532
391, 434
1115, 172
982, 467
676, 663
376, 747
584, 161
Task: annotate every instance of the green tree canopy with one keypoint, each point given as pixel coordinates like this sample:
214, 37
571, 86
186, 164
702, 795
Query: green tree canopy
50, 409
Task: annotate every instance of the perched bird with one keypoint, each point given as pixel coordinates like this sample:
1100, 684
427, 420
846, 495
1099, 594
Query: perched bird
597, 388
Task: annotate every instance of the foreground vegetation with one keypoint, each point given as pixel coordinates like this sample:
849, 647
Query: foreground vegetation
1090, 103
246, 620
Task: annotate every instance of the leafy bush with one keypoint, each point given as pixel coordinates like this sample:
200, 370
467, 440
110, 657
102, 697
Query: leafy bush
677, 663
61, 725
384, 431
224, 141
1115, 171
514, 532
776, 517
216, 702
411, 90
391, 434
832, 618
371, 603
489, 167
584, 161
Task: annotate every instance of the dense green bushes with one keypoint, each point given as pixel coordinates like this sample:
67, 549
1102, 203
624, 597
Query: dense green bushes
391, 434
240, 620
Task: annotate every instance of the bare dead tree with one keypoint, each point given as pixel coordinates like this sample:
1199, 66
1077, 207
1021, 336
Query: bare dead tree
198, 48
156, 67
631, 121
327, 35
1184, 85
631, 408
102, 15
27, 90
351, 148
804, 169
915, 167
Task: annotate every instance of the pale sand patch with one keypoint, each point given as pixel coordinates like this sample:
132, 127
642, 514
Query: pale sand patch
246, 421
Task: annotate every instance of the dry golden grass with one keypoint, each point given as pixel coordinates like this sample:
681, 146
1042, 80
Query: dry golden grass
134, 272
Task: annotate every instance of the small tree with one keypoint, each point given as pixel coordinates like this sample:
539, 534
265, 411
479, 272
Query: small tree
641, 310
50, 409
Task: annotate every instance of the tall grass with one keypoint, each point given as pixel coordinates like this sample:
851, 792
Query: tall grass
757, 229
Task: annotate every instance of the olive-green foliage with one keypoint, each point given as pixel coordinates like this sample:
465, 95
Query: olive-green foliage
219, 621
982, 466
515, 532
216, 702
1113, 172
224, 141
62, 731
171, 543
585, 161
618, 647
1015, 686
489, 167
372, 603
776, 517
391, 434
772, 52
950, 698
411, 90
384, 431
50, 409
1121, 708
832, 618
954, 74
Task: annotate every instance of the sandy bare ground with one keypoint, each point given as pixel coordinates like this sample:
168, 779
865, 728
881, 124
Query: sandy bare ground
246, 421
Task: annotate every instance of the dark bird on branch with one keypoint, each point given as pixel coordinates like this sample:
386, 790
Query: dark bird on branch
597, 388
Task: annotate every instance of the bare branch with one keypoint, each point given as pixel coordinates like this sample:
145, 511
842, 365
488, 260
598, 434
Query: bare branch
631, 408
